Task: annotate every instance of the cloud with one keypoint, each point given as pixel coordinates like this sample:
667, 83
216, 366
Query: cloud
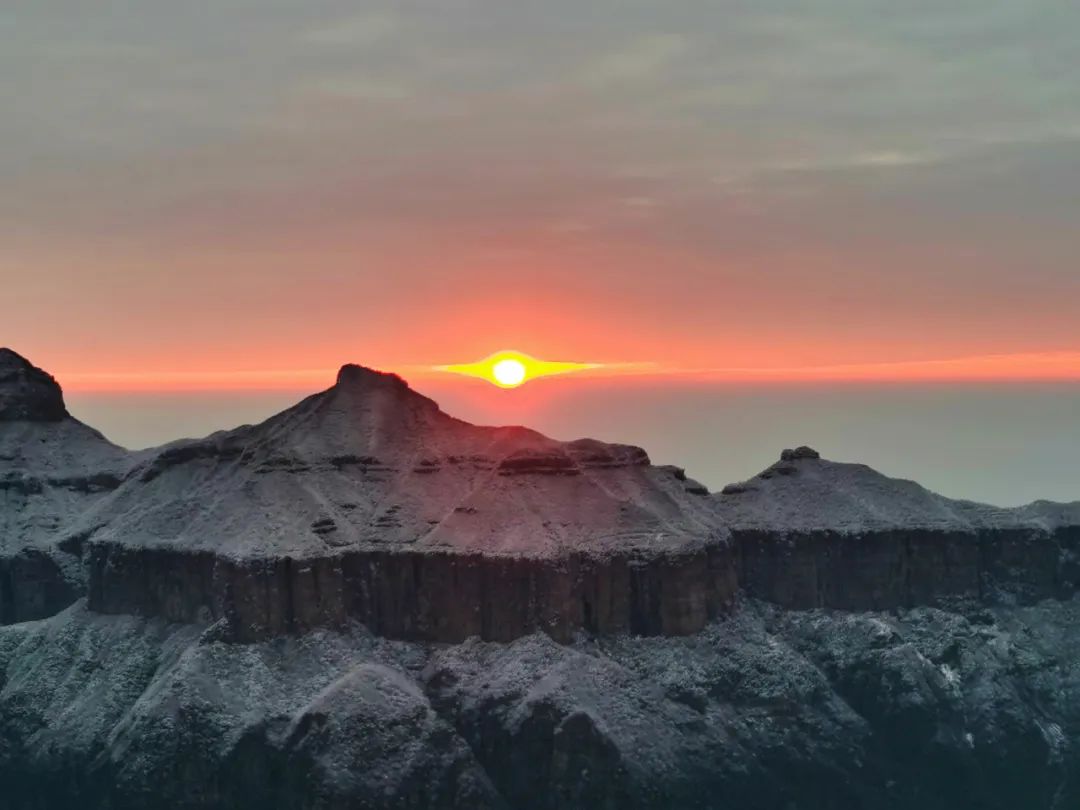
356, 31
358, 88
888, 159
641, 59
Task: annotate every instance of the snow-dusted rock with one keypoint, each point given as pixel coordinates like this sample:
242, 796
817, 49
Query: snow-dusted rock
52, 469
817, 533
804, 492
803, 710
370, 463
367, 502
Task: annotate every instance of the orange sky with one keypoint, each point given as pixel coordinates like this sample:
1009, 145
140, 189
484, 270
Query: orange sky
722, 192
288, 320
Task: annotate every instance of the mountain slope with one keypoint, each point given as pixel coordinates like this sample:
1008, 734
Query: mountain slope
764, 710
804, 492
371, 463
53, 468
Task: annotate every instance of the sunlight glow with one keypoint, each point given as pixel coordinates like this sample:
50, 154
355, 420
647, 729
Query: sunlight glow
509, 369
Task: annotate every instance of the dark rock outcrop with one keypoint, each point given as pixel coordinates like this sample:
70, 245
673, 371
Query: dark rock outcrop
26, 392
53, 469
891, 569
799, 452
34, 585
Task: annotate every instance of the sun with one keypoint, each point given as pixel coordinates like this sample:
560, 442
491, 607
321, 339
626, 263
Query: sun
509, 373
509, 369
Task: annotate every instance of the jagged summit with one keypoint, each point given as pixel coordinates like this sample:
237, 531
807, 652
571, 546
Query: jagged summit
48, 459
354, 374
798, 453
378, 417
26, 392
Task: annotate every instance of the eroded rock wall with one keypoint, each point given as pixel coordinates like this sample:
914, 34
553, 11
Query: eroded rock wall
33, 585
448, 597
885, 570
426, 596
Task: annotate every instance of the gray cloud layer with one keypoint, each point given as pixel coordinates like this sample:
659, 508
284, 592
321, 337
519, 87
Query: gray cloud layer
853, 150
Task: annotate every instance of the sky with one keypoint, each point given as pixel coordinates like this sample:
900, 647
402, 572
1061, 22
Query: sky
246, 193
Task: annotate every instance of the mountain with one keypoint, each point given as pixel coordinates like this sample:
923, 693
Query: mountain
816, 533
364, 602
370, 463
52, 468
367, 502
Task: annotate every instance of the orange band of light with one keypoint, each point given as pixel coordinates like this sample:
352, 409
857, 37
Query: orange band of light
485, 369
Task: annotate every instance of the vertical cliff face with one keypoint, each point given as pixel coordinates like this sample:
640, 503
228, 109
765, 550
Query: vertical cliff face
34, 584
422, 596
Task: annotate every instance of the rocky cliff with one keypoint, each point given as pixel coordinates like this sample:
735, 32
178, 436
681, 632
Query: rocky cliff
52, 469
366, 502
815, 533
363, 602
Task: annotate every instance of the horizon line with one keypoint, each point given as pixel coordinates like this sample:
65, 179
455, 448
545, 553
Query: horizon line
1052, 366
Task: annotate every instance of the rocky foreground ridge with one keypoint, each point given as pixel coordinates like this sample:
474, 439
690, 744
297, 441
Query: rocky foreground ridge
364, 602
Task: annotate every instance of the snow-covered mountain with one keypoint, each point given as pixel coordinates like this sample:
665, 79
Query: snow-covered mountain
370, 463
53, 468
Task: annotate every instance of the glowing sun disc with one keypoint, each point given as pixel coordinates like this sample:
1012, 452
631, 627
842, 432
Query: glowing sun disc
509, 372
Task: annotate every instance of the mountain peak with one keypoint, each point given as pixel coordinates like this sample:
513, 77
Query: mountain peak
800, 452
388, 400
26, 392
352, 374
